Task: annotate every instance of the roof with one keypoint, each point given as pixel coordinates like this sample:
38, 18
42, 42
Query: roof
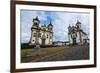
50, 24
78, 22
36, 19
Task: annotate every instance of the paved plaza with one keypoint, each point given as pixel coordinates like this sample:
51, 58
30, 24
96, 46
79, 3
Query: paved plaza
77, 52
71, 53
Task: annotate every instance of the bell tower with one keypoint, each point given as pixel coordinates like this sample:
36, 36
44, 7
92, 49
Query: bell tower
50, 26
78, 25
36, 22
34, 39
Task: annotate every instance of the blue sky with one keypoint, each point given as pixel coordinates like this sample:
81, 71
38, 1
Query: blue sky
60, 21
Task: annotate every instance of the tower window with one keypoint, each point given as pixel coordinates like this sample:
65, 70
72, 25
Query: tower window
39, 34
47, 35
34, 35
50, 37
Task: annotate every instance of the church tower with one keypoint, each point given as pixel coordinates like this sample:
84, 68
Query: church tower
36, 22
50, 33
78, 25
35, 31
50, 26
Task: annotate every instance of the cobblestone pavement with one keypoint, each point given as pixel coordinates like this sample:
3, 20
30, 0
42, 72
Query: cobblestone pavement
71, 53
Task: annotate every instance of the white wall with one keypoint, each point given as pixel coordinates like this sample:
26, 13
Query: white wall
5, 37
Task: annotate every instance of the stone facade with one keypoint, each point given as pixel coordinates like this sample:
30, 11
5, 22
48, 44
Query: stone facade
41, 35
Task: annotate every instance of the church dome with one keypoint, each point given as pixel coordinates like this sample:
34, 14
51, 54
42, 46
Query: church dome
78, 22
36, 19
50, 25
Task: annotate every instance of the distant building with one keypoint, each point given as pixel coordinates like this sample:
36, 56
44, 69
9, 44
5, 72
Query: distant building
61, 43
41, 35
77, 35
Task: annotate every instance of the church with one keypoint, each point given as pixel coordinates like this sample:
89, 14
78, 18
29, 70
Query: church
77, 35
41, 34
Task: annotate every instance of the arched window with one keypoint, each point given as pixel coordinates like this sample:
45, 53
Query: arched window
39, 35
34, 35
47, 35
50, 37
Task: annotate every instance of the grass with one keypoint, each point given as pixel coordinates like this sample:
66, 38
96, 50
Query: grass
31, 55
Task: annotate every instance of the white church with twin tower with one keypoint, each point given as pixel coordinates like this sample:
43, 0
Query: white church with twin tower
77, 35
41, 35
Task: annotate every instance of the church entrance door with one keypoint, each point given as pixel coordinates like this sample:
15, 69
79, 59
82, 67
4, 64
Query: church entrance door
43, 41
